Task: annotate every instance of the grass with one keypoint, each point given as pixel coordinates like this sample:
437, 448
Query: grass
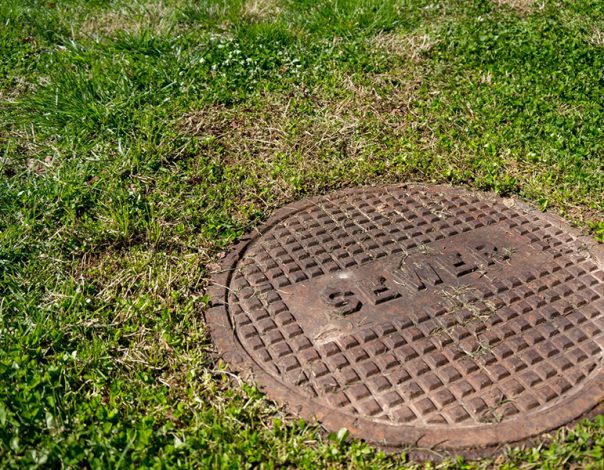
139, 139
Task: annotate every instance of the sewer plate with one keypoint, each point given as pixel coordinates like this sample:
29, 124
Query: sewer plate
415, 315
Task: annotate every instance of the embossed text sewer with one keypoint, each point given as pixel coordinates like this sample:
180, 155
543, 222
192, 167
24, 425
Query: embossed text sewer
417, 315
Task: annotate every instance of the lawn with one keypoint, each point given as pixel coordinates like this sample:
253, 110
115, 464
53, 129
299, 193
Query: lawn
139, 139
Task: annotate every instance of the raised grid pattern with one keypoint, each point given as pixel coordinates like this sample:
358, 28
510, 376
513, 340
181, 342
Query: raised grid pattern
511, 346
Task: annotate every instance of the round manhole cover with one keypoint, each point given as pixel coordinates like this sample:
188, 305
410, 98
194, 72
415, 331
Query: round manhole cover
415, 315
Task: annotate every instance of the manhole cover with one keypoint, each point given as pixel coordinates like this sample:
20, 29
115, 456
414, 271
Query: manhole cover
415, 315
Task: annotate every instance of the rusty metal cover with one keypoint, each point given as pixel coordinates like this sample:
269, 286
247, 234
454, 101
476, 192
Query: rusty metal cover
416, 315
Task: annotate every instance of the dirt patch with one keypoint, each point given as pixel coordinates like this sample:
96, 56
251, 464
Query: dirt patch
288, 137
305, 120
261, 10
597, 37
521, 6
408, 46
155, 17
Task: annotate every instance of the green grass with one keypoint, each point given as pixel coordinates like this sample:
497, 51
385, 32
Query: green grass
139, 139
